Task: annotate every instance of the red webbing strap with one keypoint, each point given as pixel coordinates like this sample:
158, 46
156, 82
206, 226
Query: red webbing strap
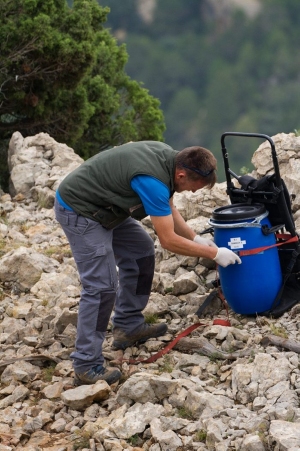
257, 250
171, 345
223, 322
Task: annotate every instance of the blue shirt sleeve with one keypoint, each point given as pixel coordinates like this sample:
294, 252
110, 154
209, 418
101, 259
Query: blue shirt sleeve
154, 195
62, 202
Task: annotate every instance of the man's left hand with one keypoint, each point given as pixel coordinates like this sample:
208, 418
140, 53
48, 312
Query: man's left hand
205, 241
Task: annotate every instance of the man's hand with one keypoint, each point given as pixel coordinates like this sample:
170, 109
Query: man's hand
226, 257
205, 241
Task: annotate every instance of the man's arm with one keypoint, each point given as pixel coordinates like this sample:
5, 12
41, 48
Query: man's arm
173, 242
180, 226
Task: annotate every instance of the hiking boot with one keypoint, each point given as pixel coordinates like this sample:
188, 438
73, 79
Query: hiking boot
97, 373
139, 335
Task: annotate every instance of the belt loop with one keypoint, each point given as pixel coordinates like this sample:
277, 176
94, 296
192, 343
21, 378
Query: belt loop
76, 220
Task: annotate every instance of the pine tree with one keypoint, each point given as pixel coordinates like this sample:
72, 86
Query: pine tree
63, 73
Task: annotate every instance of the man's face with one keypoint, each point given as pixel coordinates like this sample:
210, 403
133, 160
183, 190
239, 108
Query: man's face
183, 183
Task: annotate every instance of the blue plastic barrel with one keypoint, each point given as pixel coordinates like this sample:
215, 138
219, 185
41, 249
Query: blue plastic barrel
252, 286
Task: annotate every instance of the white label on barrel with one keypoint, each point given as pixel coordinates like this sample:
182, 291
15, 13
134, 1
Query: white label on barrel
236, 243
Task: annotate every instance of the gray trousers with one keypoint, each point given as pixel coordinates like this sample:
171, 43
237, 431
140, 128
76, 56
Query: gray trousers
97, 251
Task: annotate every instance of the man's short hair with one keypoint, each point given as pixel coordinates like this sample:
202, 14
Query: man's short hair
199, 164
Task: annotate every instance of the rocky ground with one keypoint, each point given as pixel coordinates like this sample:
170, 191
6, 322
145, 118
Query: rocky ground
221, 388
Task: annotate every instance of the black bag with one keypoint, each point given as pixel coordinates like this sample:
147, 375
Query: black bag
289, 295
265, 191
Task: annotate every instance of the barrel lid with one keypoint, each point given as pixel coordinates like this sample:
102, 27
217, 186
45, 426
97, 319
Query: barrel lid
238, 211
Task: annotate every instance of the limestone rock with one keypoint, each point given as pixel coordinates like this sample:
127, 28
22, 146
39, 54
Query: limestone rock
285, 435
83, 396
24, 267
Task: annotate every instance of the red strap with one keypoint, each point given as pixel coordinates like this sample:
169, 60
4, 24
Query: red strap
264, 248
171, 345
153, 358
222, 322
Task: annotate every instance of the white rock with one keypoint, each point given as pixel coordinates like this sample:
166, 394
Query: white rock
83, 396
285, 435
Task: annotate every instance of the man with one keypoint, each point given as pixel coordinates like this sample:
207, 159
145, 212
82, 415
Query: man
98, 206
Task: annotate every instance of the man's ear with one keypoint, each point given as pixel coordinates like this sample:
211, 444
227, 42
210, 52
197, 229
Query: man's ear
180, 173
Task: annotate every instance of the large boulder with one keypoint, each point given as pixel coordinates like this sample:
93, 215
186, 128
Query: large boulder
37, 165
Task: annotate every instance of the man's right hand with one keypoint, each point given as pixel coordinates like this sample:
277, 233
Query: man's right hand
226, 257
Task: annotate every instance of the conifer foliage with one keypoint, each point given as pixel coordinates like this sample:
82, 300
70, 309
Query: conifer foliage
62, 72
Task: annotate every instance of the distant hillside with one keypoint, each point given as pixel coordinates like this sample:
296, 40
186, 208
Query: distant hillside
215, 66
213, 9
